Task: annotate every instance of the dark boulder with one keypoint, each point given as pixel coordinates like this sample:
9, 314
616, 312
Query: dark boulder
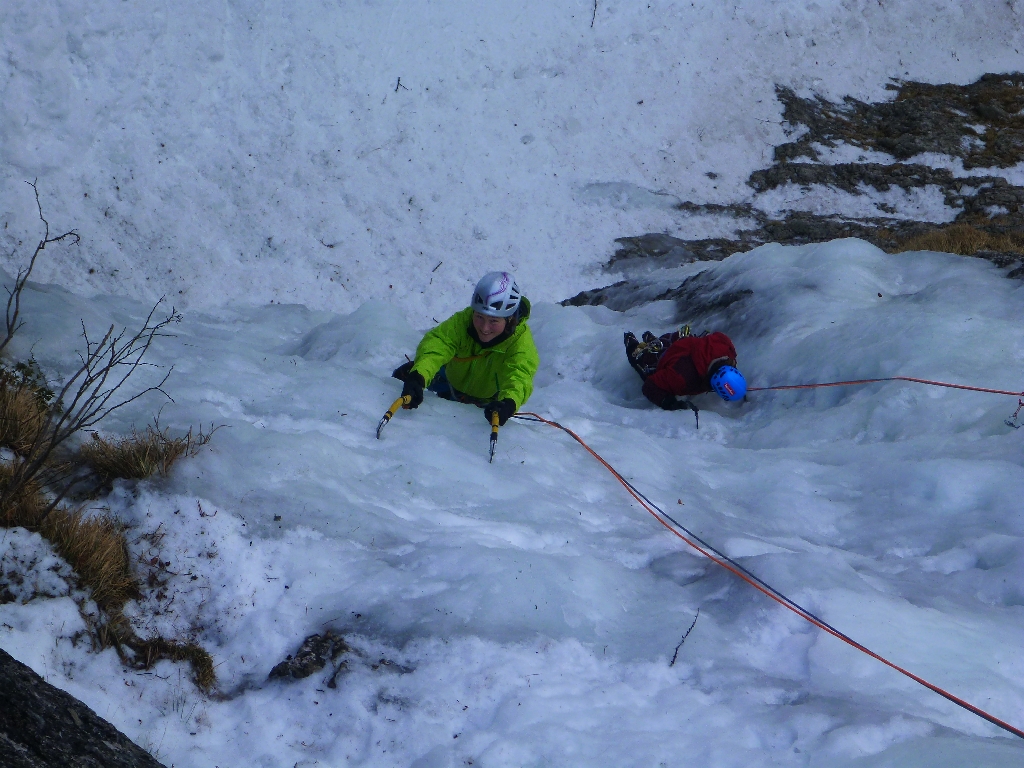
43, 727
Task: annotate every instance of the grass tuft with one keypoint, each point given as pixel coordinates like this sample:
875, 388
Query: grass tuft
964, 239
199, 659
140, 455
143, 654
26, 506
22, 416
96, 547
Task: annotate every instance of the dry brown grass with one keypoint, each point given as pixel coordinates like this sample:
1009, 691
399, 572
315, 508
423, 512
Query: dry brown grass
26, 506
22, 417
96, 547
964, 239
148, 652
135, 652
139, 456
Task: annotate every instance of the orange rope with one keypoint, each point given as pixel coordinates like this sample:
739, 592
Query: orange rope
890, 378
738, 570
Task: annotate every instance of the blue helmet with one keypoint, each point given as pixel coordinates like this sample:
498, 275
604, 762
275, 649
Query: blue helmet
729, 383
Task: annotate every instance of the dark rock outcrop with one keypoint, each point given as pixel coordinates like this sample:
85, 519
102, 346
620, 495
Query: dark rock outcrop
700, 298
981, 123
43, 727
975, 196
313, 655
328, 648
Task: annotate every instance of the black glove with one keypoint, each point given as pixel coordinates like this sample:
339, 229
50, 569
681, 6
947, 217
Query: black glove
636, 357
402, 371
630, 341
504, 408
671, 404
413, 388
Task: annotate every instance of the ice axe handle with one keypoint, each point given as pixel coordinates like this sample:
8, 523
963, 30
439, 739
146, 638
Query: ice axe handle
399, 403
494, 435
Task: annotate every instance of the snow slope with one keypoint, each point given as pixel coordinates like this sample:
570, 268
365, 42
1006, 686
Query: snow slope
264, 150
529, 609
260, 164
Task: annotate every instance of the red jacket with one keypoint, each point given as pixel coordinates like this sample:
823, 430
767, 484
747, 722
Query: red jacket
683, 369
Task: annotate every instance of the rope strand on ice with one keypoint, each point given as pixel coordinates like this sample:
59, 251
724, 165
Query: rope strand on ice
735, 568
1011, 422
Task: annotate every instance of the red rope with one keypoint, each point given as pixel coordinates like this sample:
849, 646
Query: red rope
890, 378
735, 568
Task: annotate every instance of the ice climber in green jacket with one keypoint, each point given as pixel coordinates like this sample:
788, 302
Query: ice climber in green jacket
483, 354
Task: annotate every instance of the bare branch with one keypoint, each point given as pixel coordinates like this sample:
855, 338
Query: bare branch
21, 279
93, 391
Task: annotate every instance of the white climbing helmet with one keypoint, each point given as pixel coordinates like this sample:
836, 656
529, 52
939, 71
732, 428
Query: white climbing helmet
496, 295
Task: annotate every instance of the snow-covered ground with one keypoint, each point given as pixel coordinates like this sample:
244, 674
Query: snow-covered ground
535, 606
260, 164
265, 149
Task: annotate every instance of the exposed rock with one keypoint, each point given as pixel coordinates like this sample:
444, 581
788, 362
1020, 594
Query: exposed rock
619, 296
655, 246
698, 298
980, 123
975, 196
796, 228
43, 727
313, 655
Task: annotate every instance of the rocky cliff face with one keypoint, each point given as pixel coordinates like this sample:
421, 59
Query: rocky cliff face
962, 145
44, 727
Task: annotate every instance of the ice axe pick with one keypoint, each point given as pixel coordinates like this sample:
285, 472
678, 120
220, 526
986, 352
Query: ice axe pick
403, 400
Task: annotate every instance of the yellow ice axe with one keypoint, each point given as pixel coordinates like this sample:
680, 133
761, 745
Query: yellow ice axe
494, 435
399, 403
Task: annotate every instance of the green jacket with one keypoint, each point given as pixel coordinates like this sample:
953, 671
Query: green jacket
492, 373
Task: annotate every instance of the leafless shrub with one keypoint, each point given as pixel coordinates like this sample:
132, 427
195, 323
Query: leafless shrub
95, 389
92, 392
15, 291
36, 424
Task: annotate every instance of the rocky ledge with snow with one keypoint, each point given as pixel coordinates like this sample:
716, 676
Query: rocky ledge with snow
891, 172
